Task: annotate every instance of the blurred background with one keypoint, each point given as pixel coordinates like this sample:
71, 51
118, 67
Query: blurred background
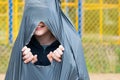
97, 23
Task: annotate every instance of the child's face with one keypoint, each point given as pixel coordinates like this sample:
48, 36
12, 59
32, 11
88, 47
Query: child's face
41, 29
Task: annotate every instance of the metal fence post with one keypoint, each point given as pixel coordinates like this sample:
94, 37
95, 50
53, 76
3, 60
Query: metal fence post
10, 22
80, 18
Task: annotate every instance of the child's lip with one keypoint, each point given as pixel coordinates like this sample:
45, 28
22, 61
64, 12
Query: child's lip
39, 28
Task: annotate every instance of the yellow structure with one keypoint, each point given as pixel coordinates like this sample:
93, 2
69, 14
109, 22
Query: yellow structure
4, 22
97, 5
109, 19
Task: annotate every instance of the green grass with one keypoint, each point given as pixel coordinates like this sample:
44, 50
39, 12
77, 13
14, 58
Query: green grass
101, 58
117, 50
5, 51
101, 54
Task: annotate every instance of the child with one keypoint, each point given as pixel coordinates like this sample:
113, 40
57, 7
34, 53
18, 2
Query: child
43, 47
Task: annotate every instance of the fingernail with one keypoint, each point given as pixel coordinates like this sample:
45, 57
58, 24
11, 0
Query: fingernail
24, 61
22, 50
59, 60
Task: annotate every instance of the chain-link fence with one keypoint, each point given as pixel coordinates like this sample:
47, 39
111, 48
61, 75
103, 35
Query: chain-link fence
101, 35
4, 48
100, 31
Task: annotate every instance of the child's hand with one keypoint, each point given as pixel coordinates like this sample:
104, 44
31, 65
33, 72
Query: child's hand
56, 54
28, 56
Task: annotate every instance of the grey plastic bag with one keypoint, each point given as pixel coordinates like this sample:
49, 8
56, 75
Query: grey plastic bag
73, 65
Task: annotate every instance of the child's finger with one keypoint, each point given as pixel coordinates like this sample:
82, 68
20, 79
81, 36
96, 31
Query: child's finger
26, 51
56, 58
27, 56
49, 56
57, 54
59, 51
34, 59
61, 47
28, 60
24, 48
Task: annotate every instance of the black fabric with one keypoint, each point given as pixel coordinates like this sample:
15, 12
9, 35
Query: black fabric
41, 53
72, 67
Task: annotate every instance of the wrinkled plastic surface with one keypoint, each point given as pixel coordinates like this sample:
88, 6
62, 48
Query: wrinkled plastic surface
73, 65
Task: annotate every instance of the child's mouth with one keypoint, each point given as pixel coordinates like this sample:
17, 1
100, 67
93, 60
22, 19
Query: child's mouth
40, 27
